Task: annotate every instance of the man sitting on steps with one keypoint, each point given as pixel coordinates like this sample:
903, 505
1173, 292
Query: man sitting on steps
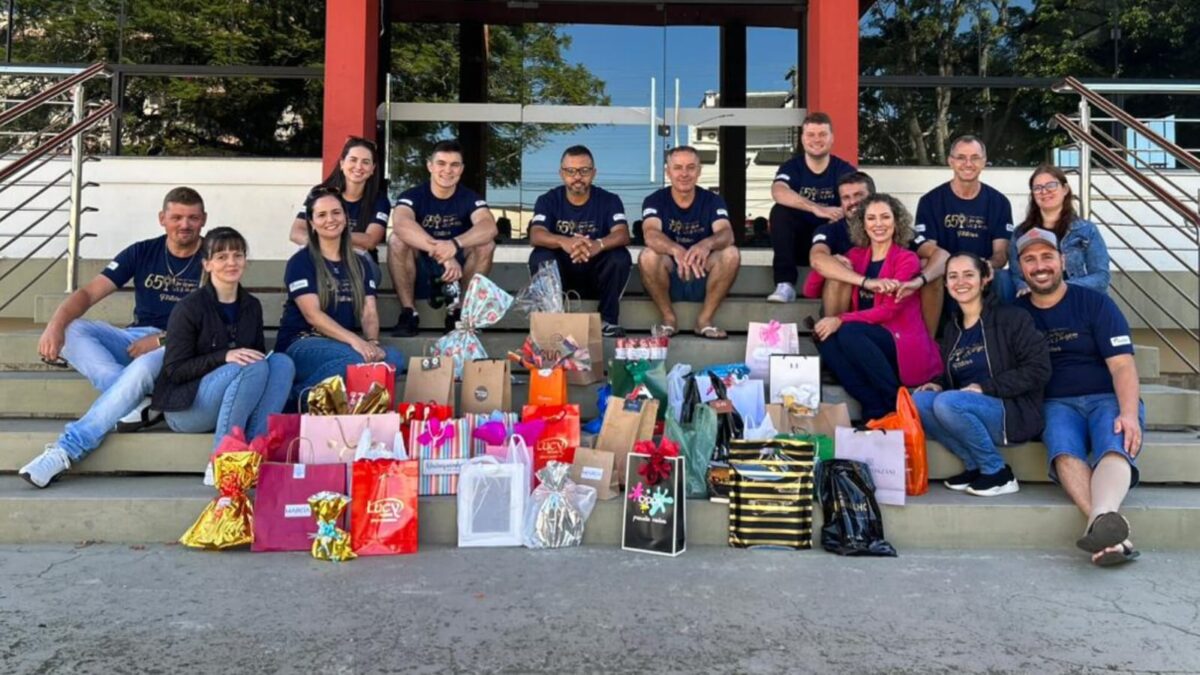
689, 254
122, 363
1094, 414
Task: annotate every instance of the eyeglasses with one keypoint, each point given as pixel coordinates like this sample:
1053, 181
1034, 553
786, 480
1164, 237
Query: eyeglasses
323, 191
964, 159
583, 172
1049, 186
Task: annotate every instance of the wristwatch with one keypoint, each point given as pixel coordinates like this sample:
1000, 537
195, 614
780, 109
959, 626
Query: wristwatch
162, 339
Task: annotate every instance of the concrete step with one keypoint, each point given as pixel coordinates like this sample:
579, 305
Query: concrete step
18, 349
638, 313
160, 508
66, 394
1168, 457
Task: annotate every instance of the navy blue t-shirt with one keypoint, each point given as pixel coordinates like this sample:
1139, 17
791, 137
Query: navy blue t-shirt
968, 359
866, 299
229, 311
686, 226
301, 279
160, 279
442, 218
965, 224
1082, 330
835, 235
594, 220
354, 217
820, 188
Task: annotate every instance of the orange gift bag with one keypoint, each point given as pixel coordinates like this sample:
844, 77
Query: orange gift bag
907, 419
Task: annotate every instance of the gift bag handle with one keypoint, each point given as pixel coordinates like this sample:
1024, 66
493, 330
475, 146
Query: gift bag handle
342, 432
567, 301
293, 445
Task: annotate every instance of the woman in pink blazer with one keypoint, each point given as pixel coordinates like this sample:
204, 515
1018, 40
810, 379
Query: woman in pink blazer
881, 343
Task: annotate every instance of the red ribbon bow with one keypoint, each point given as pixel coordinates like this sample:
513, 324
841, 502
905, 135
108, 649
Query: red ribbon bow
657, 468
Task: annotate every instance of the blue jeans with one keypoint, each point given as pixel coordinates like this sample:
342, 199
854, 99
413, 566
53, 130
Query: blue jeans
863, 356
1082, 427
318, 357
97, 351
969, 425
237, 396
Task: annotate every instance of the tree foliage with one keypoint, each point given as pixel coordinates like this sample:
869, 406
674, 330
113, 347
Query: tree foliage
1042, 38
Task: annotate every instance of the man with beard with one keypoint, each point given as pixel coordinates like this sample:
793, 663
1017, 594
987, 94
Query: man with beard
806, 197
583, 229
1094, 415
122, 363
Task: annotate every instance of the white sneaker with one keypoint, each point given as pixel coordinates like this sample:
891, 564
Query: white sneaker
46, 466
783, 293
134, 418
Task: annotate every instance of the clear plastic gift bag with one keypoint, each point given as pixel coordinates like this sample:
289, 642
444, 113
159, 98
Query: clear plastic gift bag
557, 509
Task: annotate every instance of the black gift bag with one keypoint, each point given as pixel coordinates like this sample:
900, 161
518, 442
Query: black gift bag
655, 514
853, 522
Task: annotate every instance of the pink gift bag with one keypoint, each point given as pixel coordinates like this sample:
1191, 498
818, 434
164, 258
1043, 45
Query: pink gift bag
283, 519
766, 339
333, 438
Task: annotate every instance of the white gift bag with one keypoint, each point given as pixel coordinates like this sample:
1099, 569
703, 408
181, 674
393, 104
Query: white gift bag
797, 377
883, 453
491, 502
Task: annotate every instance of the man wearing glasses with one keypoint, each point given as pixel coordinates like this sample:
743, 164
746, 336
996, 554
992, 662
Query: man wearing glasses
442, 233
964, 215
584, 231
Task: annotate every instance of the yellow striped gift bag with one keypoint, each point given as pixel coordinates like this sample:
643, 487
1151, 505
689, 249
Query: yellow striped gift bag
771, 502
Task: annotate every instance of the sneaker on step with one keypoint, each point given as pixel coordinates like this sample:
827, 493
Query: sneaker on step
962, 481
142, 417
46, 466
408, 323
208, 475
611, 330
1003, 482
783, 293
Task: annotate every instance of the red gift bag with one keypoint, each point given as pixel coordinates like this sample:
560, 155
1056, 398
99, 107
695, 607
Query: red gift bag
286, 427
410, 412
360, 377
560, 437
283, 519
383, 507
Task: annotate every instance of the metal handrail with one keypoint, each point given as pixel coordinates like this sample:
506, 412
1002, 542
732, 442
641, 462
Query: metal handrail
50, 92
1074, 85
64, 136
1105, 136
1167, 198
1138, 252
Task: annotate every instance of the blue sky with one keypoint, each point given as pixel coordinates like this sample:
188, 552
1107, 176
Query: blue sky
626, 58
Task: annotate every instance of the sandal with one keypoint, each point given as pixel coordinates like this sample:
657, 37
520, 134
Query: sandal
1108, 529
1114, 558
712, 333
663, 330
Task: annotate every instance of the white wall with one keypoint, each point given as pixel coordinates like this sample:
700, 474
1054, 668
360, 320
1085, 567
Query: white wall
261, 196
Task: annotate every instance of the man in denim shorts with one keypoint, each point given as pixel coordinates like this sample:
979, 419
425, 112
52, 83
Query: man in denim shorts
1094, 415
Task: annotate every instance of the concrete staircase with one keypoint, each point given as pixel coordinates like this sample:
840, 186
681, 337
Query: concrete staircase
145, 487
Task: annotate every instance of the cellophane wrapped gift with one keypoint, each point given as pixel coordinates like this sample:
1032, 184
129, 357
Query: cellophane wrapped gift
329, 397
485, 304
228, 520
330, 541
544, 292
558, 509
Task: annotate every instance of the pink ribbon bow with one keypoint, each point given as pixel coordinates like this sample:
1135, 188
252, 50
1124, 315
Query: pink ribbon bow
770, 333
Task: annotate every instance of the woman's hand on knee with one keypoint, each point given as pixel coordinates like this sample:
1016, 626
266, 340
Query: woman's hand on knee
930, 386
826, 327
244, 356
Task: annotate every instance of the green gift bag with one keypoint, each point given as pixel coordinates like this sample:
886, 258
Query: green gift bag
625, 376
822, 443
696, 440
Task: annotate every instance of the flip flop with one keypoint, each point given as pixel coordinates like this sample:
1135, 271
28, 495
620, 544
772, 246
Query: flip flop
1114, 558
712, 333
664, 330
1108, 529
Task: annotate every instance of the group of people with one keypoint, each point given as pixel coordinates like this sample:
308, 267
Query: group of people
1029, 347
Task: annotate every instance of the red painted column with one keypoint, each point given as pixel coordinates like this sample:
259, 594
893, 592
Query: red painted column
351, 74
831, 69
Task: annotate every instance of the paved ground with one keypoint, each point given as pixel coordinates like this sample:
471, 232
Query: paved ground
116, 609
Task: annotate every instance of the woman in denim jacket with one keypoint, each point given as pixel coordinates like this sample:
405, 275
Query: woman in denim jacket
1051, 207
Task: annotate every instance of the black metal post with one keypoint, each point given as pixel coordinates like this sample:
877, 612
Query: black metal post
732, 140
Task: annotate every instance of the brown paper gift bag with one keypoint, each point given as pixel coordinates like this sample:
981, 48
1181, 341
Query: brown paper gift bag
626, 422
486, 386
429, 378
829, 417
595, 468
547, 327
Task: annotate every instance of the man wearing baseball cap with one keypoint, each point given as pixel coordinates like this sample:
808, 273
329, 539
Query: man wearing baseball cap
1094, 414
